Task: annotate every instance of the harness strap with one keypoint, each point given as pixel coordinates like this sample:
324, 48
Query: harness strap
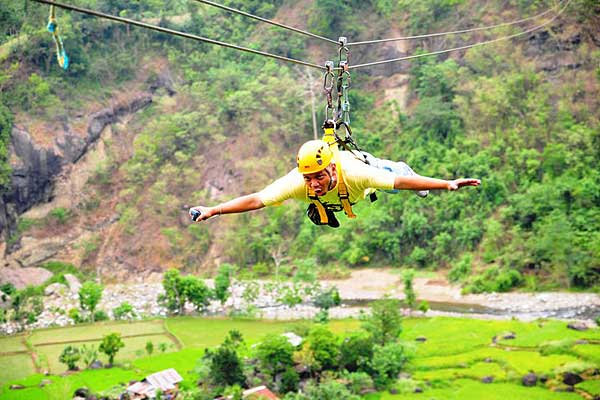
330, 137
320, 207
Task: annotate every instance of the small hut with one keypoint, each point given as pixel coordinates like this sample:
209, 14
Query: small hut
166, 381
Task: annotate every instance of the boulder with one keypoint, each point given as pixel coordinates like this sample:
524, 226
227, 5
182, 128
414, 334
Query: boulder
73, 283
16, 387
530, 379
487, 379
96, 365
571, 379
82, 392
55, 288
421, 339
418, 390
579, 326
23, 277
509, 335
45, 382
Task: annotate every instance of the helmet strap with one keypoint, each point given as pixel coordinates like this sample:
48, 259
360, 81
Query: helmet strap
332, 183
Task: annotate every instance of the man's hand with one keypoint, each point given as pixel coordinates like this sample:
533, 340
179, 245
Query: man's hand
205, 213
458, 183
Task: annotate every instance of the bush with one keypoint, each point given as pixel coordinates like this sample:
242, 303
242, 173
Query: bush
69, 356
75, 315
289, 381
461, 269
494, 280
101, 315
60, 215
8, 288
564, 346
359, 382
124, 311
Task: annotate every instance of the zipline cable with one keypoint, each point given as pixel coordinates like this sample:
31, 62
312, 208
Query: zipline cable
428, 35
175, 33
462, 47
268, 21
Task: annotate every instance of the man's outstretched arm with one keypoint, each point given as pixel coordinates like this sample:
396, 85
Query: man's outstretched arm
238, 205
417, 182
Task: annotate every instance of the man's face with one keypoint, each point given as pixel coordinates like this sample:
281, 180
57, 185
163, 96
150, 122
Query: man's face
322, 181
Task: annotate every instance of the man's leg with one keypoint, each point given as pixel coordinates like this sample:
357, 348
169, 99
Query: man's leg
399, 168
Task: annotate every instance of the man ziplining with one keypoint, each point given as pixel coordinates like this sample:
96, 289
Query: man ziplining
332, 181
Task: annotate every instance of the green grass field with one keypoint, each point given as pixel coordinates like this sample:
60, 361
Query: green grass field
89, 332
133, 348
466, 389
449, 365
15, 367
12, 343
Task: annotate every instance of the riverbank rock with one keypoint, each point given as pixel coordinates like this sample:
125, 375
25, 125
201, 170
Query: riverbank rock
487, 379
529, 379
571, 379
73, 283
55, 288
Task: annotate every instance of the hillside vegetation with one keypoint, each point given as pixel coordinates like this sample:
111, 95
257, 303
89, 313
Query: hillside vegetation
522, 115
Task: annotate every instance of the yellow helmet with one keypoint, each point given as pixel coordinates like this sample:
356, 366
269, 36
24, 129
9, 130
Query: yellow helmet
314, 156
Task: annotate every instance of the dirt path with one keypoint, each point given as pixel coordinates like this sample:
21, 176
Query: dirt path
374, 284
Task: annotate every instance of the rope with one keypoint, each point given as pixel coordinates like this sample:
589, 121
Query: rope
176, 33
482, 28
291, 28
463, 47
61, 55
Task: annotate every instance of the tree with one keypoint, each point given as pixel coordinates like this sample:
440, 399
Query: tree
89, 297
410, 296
385, 321
110, 345
325, 347
196, 292
70, 355
275, 354
149, 347
223, 282
174, 296
326, 299
225, 367
356, 352
388, 361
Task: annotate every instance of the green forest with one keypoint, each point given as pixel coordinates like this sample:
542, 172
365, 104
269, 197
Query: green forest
522, 115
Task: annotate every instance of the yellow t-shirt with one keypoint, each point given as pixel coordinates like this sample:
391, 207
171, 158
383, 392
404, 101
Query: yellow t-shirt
361, 179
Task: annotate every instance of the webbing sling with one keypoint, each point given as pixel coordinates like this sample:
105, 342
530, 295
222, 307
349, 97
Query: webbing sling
330, 138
